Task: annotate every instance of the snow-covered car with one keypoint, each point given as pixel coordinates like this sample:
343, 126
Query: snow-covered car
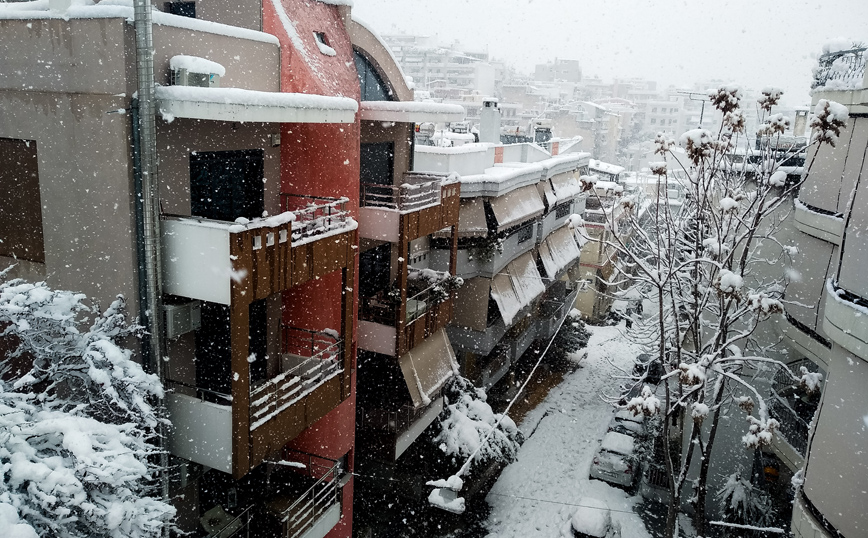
592, 519
627, 423
615, 461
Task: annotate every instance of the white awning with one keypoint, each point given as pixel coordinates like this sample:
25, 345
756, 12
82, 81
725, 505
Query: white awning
516, 287
558, 251
234, 104
471, 218
427, 367
566, 186
545, 191
411, 111
517, 206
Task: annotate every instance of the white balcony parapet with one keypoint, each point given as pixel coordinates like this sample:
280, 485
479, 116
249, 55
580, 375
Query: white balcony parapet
235, 104
846, 322
411, 111
822, 225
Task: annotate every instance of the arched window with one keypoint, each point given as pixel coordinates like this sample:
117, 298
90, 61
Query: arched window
372, 85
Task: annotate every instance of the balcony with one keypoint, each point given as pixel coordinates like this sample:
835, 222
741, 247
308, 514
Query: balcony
488, 256
819, 223
230, 262
426, 310
553, 312
845, 321
389, 433
423, 204
236, 432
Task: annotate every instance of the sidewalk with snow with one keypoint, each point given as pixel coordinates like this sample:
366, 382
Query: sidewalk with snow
536, 495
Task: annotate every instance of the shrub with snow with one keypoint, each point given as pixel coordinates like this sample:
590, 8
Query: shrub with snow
77, 424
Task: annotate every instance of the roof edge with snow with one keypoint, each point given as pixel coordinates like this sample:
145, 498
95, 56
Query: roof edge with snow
411, 111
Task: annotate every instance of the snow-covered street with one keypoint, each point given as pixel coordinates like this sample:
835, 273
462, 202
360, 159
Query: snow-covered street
536, 495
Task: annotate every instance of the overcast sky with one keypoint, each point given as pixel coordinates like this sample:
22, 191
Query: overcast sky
754, 43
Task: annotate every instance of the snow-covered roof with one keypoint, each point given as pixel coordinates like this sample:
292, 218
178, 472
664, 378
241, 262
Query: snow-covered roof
501, 179
123, 9
600, 166
234, 104
558, 251
618, 443
411, 111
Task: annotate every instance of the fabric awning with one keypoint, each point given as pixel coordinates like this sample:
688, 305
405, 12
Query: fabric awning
427, 367
516, 287
234, 104
517, 206
471, 218
566, 186
558, 251
410, 111
546, 192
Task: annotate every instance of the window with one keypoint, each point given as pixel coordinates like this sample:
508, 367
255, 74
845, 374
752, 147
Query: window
654, 110
183, 9
562, 211
225, 185
525, 234
653, 121
372, 85
20, 205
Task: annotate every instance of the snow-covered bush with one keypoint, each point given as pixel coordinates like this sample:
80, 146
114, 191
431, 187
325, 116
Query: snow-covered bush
571, 337
76, 420
744, 504
466, 420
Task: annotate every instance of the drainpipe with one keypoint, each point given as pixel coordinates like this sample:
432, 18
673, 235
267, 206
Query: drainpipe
150, 207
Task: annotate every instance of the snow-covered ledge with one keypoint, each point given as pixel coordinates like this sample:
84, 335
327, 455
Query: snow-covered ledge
411, 111
234, 104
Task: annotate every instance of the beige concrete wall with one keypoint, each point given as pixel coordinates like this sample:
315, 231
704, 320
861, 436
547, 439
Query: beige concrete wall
85, 181
243, 13
176, 140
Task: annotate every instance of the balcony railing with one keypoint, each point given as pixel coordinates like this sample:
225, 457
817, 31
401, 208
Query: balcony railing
418, 190
314, 215
393, 421
304, 512
792, 427
237, 527
309, 359
846, 68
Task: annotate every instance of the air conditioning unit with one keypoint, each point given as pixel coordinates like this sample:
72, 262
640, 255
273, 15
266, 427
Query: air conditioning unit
182, 318
182, 77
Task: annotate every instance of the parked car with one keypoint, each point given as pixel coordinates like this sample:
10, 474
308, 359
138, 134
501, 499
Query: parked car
648, 366
592, 519
615, 461
627, 423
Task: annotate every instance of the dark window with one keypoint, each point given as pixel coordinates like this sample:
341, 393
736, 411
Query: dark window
377, 165
225, 185
321, 38
524, 234
562, 211
374, 265
371, 83
20, 205
184, 9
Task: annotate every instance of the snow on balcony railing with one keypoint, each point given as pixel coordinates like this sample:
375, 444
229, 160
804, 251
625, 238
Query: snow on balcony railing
315, 215
418, 190
309, 359
314, 503
840, 69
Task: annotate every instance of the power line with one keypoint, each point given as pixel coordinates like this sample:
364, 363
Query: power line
562, 503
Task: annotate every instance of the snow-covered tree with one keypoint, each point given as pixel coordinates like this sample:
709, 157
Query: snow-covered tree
742, 503
77, 423
708, 271
571, 337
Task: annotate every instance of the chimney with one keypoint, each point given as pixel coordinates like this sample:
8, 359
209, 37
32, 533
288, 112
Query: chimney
489, 121
801, 122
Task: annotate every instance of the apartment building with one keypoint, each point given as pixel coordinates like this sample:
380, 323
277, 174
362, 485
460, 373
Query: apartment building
261, 110
513, 250
825, 326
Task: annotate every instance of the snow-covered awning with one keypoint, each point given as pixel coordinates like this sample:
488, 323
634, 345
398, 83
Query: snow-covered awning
427, 367
545, 190
566, 186
235, 104
411, 111
471, 219
517, 206
558, 251
516, 287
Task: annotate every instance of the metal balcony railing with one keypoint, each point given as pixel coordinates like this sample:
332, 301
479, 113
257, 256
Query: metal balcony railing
846, 67
310, 506
397, 421
310, 359
418, 190
793, 428
314, 215
237, 527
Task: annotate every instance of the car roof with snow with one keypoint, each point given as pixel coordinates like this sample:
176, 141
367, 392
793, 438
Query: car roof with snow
618, 443
591, 517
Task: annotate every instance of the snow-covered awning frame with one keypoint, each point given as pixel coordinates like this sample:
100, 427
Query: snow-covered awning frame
411, 112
